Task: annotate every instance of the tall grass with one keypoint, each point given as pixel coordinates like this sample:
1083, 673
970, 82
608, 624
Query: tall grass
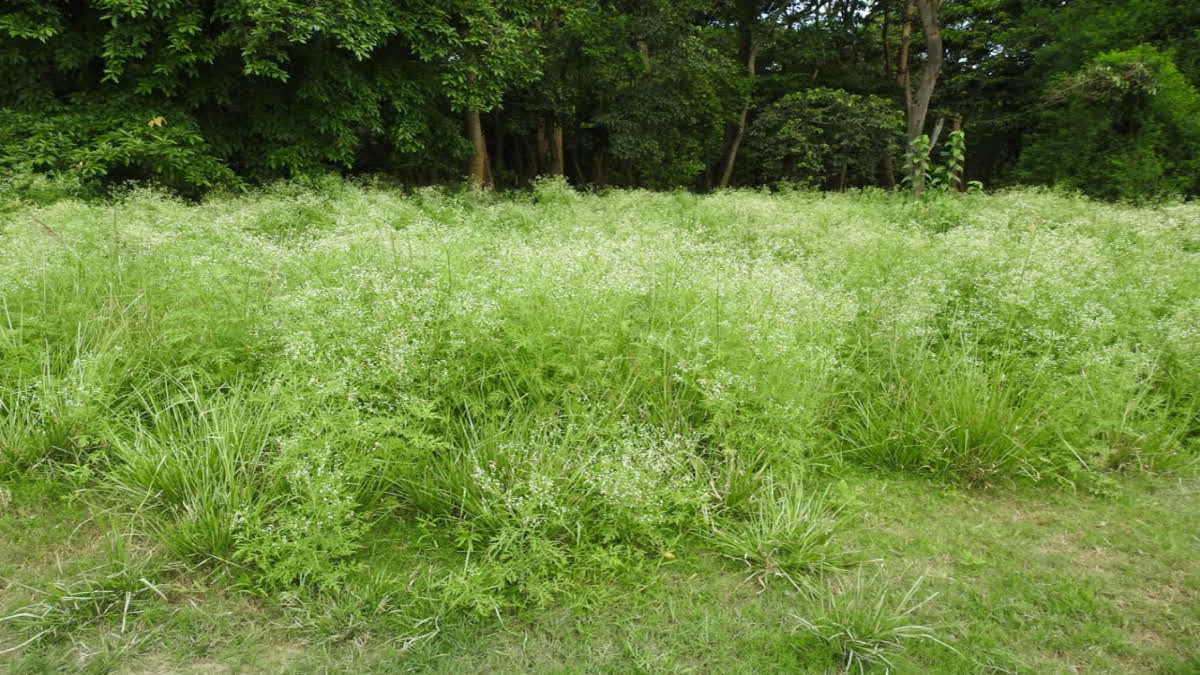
551, 380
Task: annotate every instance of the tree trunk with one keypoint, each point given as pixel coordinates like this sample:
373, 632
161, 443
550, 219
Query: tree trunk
735, 143
937, 132
480, 175
919, 108
578, 170
598, 176
543, 147
531, 163
889, 173
883, 38
916, 107
735, 131
498, 149
519, 161
739, 131
556, 150
643, 45
956, 179
902, 58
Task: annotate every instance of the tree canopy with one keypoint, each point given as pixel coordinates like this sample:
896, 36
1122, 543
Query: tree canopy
693, 93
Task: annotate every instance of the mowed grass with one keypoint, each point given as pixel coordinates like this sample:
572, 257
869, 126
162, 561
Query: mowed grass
342, 427
1022, 582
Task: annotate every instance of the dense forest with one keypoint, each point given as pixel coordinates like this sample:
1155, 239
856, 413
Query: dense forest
1091, 95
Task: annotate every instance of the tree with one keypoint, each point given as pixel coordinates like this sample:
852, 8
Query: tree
271, 87
491, 48
916, 106
1126, 126
991, 48
652, 93
755, 22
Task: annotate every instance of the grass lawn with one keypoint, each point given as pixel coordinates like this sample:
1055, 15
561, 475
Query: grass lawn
1024, 582
341, 428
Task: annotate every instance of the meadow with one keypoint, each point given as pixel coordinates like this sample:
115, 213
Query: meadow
342, 426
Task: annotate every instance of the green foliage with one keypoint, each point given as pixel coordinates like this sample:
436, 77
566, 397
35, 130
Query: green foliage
21, 189
260, 88
1127, 126
951, 174
642, 94
917, 172
668, 123
1085, 29
121, 139
825, 137
313, 523
920, 173
553, 190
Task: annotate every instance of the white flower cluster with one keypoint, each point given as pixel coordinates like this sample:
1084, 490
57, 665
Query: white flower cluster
641, 478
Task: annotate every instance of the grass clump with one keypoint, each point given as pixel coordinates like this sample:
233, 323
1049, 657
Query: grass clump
867, 627
785, 533
948, 415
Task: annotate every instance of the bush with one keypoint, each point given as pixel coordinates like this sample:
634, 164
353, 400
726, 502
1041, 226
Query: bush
106, 142
826, 138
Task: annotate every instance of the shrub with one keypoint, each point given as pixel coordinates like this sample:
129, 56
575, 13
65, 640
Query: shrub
121, 138
306, 521
825, 137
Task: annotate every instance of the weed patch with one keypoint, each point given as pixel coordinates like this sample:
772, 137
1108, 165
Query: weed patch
539, 395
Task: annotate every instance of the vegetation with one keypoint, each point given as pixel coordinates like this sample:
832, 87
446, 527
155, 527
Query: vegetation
377, 429
201, 95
